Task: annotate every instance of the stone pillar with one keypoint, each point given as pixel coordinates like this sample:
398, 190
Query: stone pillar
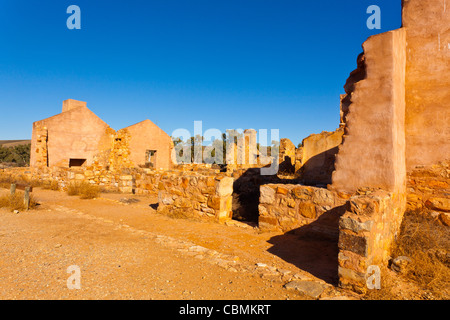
366, 232
251, 151
224, 192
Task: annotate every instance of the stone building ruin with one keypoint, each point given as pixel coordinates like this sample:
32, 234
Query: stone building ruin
391, 152
78, 138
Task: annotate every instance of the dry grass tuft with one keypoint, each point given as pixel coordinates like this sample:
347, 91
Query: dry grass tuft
426, 242
15, 202
427, 277
50, 185
84, 190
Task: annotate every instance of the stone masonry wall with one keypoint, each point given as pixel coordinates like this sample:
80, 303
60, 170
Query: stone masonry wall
40, 148
366, 232
285, 207
364, 224
196, 196
183, 193
428, 189
107, 180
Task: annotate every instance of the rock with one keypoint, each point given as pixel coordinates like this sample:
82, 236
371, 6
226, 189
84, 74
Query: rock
350, 223
129, 201
445, 218
311, 289
261, 265
440, 204
284, 272
267, 195
336, 298
400, 264
300, 276
225, 187
198, 249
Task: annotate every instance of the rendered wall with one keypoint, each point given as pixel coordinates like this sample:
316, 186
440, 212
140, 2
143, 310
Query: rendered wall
145, 136
373, 151
75, 134
427, 25
318, 155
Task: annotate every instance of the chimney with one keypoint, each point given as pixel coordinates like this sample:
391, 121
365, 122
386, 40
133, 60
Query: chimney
70, 104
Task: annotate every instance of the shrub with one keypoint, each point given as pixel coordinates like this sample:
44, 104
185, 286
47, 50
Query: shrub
15, 202
83, 189
425, 242
51, 185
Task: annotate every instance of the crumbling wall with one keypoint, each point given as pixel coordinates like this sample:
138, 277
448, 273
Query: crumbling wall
287, 156
429, 190
372, 156
196, 196
145, 136
119, 156
285, 207
318, 155
38, 151
373, 151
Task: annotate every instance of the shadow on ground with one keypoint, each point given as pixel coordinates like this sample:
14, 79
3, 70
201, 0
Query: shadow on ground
312, 248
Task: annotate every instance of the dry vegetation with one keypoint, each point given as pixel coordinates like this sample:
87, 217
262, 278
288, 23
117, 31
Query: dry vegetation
84, 190
426, 242
16, 202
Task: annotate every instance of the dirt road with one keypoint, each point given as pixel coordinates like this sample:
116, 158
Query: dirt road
128, 251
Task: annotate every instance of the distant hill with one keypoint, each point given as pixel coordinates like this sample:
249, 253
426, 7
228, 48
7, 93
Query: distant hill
13, 143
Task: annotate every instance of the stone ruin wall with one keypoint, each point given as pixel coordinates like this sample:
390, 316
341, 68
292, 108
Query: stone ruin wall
394, 154
428, 190
196, 196
287, 207
390, 154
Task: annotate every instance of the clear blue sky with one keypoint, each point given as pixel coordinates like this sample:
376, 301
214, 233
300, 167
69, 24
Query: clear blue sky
262, 64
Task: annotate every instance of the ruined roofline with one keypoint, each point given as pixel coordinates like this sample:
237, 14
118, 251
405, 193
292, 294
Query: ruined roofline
141, 122
151, 123
68, 112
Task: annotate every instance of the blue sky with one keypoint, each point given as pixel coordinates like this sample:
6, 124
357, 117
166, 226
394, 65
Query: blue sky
262, 64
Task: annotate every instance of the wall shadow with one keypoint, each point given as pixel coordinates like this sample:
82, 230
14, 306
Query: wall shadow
246, 192
314, 247
318, 170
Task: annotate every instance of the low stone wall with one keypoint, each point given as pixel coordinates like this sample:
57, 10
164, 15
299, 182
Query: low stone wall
286, 207
196, 196
364, 224
121, 181
366, 233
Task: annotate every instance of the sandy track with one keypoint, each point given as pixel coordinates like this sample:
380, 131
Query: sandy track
131, 252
